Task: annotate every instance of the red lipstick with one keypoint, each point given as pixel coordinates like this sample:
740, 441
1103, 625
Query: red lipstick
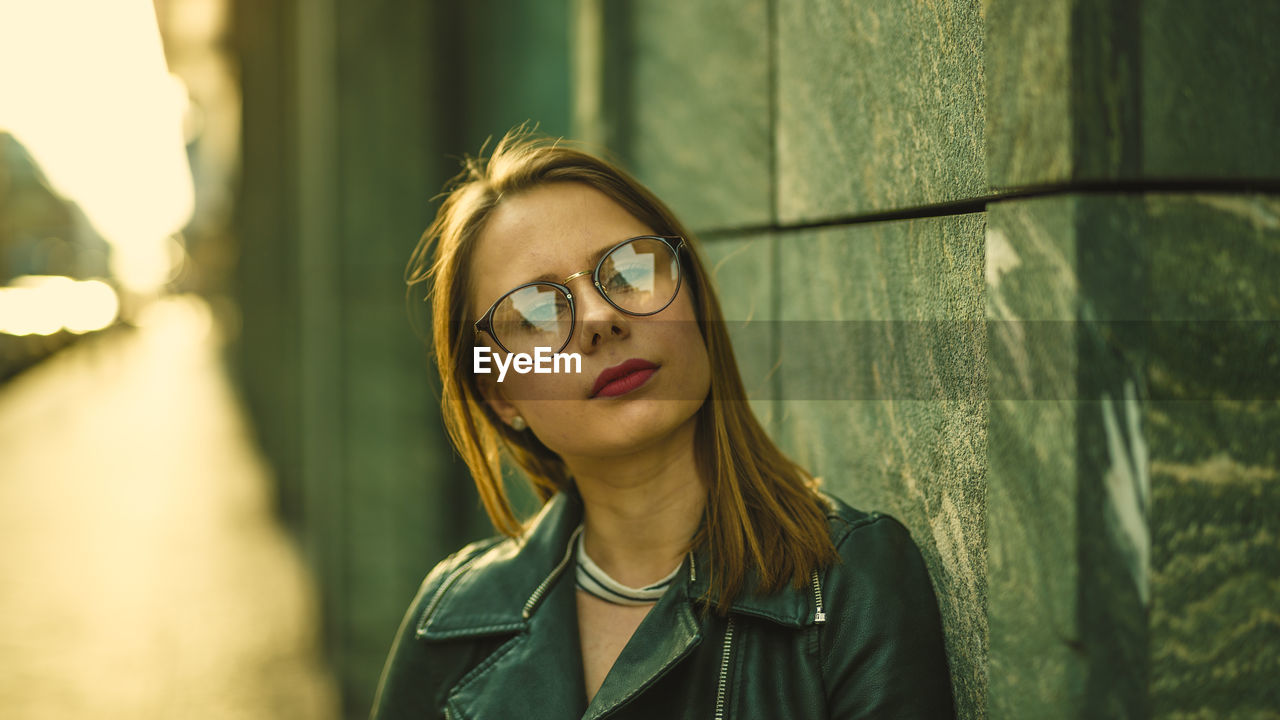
623, 378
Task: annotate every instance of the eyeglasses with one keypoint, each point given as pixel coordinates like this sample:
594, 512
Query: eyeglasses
638, 276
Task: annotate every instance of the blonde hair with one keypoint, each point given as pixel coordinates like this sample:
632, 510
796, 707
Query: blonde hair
763, 512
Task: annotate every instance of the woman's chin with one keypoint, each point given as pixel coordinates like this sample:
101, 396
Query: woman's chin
621, 432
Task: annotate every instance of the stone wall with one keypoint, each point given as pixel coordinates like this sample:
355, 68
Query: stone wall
1003, 269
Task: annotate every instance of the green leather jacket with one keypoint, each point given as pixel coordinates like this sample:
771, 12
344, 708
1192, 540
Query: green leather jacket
493, 634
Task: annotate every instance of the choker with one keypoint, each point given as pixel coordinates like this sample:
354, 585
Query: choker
597, 582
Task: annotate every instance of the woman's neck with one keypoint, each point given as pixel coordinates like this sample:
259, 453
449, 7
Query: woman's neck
641, 510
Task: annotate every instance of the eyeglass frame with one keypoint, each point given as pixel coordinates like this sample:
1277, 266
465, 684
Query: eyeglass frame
485, 323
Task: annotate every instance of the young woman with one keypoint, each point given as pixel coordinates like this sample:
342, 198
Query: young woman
681, 566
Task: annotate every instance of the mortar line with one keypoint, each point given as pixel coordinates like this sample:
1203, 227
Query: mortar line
979, 204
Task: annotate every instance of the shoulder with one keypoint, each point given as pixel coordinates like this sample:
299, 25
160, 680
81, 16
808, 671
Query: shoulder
414, 679
862, 532
446, 573
843, 518
879, 563
461, 558
884, 652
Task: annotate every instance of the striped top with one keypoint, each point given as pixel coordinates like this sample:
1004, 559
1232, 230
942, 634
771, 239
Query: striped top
592, 579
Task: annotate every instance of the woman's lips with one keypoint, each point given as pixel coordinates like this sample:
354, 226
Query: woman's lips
623, 378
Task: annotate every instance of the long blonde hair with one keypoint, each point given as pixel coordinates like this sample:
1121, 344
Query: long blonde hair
763, 512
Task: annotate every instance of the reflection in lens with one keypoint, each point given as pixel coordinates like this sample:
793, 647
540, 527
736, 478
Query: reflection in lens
532, 317
640, 276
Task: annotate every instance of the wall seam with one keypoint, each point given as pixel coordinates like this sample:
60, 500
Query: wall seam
979, 204
775, 249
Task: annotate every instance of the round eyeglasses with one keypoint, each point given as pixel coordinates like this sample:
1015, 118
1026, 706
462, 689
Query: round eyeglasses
638, 276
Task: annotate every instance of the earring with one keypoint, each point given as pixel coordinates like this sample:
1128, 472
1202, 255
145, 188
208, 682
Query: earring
518, 423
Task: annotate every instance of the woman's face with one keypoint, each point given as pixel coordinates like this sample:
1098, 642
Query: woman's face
554, 231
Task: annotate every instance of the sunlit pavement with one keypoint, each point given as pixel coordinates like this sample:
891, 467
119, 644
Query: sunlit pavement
142, 574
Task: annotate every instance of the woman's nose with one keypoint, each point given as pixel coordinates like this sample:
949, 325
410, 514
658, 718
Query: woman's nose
598, 320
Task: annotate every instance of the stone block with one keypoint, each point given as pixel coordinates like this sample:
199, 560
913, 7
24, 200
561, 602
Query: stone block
883, 391
879, 106
1027, 61
695, 126
1032, 495
1210, 89
1131, 497
1098, 90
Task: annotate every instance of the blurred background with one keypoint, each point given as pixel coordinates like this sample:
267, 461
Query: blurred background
222, 474
1031, 226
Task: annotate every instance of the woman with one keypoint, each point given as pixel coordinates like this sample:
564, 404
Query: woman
681, 565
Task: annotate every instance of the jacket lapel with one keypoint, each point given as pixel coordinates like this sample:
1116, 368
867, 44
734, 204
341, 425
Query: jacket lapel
522, 588
671, 631
666, 635
537, 674
491, 596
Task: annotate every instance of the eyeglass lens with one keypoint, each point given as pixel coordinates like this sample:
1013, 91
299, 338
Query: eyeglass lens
640, 277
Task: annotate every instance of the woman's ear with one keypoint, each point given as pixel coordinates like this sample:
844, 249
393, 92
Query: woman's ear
497, 400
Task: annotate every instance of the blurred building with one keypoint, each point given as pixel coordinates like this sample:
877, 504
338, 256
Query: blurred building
41, 234
355, 115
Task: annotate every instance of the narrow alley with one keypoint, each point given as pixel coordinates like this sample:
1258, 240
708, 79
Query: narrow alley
144, 573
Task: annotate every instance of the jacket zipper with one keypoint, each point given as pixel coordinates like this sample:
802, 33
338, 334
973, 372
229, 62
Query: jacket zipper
555, 573
724, 670
819, 616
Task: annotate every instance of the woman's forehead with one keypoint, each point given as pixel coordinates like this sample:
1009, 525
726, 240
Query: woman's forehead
548, 232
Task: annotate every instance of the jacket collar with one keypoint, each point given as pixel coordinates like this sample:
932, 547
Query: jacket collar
500, 590
788, 607
490, 595
517, 588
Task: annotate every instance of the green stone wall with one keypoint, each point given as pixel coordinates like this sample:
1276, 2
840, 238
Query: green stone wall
1001, 268
1133, 381
1004, 270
